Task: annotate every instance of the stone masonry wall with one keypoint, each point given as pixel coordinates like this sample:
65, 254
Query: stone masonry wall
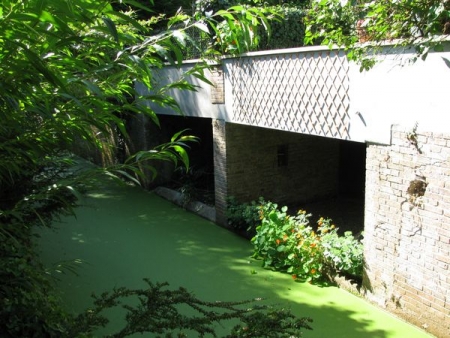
220, 170
280, 166
218, 88
407, 228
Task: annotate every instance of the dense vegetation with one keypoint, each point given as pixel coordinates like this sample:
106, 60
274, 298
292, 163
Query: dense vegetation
289, 243
362, 27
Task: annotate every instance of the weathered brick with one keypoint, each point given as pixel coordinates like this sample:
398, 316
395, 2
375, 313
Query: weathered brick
421, 253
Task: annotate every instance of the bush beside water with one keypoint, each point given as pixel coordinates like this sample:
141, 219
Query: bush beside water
289, 243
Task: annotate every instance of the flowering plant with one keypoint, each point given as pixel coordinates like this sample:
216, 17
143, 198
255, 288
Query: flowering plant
289, 243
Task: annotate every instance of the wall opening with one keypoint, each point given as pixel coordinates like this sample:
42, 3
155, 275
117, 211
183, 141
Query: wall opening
282, 155
352, 169
324, 176
346, 207
352, 183
198, 182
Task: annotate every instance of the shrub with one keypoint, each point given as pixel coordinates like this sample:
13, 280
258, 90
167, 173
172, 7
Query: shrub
288, 32
243, 217
362, 28
288, 243
29, 306
342, 253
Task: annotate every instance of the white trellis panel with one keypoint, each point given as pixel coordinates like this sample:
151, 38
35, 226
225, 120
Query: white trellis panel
304, 92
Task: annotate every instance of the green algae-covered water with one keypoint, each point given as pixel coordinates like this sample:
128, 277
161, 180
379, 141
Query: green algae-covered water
123, 234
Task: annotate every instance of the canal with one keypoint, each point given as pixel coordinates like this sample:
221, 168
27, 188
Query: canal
122, 234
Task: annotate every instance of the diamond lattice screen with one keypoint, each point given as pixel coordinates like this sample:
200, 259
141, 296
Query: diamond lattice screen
300, 92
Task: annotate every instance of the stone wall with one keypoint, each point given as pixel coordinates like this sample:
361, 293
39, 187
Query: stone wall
220, 170
407, 228
280, 166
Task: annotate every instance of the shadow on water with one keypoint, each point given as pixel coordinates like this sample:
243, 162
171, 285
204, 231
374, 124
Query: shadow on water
125, 234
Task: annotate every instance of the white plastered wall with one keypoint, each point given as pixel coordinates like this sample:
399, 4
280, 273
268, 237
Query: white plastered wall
399, 92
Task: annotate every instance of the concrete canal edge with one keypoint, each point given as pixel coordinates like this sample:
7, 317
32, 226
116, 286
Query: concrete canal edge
179, 199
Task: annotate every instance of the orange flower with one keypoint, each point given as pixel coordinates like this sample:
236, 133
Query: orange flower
313, 245
261, 214
313, 271
278, 241
294, 277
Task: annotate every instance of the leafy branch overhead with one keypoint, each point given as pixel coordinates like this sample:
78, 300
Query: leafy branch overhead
83, 59
363, 27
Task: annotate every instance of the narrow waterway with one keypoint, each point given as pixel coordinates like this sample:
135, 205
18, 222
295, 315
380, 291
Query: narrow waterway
123, 234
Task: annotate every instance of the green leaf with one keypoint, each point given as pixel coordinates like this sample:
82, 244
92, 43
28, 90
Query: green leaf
183, 155
93, 87
180, 36
47, 17
128, 20
111, 28
139, 5
180, 17
202, 27
281, 248
176, 136
128, 176
39, 65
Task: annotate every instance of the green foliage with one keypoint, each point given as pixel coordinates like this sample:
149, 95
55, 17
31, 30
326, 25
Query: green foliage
343, 253
362, 27
224, 4
82, 60
29, 308
28, 304
81, 64
168, 8
244, 217
288, 243
288, 32
287, 28
194, 184
159, 311
237, 29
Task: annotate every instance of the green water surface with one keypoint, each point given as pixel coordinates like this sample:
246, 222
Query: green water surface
123, 234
